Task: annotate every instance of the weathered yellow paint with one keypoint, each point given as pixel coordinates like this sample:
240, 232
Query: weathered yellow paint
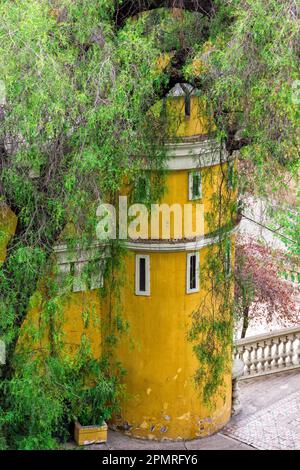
199, 122
214, 182
82, 316
163, 401
8, 224
78, 315
87, 435
162, 359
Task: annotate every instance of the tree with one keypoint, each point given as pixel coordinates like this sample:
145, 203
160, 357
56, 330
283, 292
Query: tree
261, 292
128, 8
78, 79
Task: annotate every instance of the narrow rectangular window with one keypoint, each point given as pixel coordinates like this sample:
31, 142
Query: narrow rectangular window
195, 185
142, 275
193, 272
142, 268
192, 280
187, 104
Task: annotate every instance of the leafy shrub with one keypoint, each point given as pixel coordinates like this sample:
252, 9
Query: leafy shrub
40, 404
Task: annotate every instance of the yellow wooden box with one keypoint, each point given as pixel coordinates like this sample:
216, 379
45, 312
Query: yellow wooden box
86, 435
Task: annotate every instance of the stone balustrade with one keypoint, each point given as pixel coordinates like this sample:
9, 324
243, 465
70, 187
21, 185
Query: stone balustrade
269, 353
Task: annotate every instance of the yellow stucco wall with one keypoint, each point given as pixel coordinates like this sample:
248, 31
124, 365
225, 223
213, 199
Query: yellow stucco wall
163, 399
198, 123
77, 316
8, 224
214, 186
214, 182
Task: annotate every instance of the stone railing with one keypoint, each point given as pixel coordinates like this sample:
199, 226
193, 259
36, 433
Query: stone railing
269, 353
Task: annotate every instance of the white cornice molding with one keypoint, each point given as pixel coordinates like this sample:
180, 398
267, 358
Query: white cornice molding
66, 255
195, 154
177, 246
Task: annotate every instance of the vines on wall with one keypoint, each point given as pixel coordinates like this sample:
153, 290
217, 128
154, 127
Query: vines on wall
75, 85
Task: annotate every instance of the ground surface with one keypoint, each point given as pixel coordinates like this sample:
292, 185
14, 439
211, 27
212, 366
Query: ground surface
270, 419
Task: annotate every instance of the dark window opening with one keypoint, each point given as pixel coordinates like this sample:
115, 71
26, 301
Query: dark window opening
142, 286
193, 270
187, 104
196, 185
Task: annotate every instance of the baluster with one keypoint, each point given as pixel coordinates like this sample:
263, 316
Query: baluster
242, 357
237, 352
236, 397
247, 361
276, 355
284, 355
270, 354
268, 364
290, 353
263, 361
297, 349
255, 358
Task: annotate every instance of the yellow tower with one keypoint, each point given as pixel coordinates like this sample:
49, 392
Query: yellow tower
163, 286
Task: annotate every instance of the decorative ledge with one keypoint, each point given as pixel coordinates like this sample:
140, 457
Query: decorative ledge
196, 154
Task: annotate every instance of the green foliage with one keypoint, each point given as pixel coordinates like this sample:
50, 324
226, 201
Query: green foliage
179, 31
289, 220
74, 118
43, 400
211, 332
74, 126
212, 346
257, 61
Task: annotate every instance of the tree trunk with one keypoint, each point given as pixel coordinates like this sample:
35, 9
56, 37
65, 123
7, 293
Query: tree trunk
245, 322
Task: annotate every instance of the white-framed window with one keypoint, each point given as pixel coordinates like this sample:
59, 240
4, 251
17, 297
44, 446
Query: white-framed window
142, 275
187, 104
192, 273
195, 185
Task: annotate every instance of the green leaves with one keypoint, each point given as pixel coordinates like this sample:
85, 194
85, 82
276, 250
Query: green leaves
46, 396
76, 126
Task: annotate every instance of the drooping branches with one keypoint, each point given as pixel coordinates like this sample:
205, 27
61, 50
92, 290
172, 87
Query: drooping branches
130, 8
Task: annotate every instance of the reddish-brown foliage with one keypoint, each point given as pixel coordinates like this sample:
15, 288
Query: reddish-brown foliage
261, 292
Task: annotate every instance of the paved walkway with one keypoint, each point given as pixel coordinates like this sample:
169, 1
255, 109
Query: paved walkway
270, 419
117, 441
